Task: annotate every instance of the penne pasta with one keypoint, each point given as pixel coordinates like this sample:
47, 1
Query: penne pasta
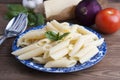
73, 29
46, 54
43, 42
31, 36
39, 60
89, 55
25, 49
82, 30
80, 45
95, 43
59, 26
65, 24
60, 63
77, 46
59, 54
84, 51
30, 54
59, 46
50, 27
73, 36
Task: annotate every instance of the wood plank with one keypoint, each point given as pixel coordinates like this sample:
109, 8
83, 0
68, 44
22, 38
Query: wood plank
10, 1
3, 10
110, 3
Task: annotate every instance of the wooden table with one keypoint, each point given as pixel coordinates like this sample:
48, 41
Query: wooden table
11, 69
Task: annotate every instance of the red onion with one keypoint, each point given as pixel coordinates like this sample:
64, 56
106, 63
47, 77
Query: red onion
86, 11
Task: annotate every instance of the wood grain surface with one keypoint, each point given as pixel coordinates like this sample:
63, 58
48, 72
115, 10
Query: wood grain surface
10, 1
11, 69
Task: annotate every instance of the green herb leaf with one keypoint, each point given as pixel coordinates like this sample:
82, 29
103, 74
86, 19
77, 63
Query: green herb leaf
65, 34
40, 19
51, 35
16, 7
55, 36
14, 10
34, 19
31, 18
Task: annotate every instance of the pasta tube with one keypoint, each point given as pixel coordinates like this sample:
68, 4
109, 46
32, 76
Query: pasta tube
89, 55
30, 54
25, 49
40, 60
60, 63
77, 46
95, 43
59, 46
59, 26
59, 54
50, 27
84, 51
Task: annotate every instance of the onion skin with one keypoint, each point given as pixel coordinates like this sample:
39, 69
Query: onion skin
86, 12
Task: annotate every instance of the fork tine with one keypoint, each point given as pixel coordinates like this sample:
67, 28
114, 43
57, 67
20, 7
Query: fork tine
14, 20
17, 22
21, 26
21, 22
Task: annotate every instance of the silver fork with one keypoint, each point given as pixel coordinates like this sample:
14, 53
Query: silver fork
17, 25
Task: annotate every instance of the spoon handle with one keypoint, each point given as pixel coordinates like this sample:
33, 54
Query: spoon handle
2, 39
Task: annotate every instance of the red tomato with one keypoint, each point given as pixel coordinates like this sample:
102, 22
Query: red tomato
108, 20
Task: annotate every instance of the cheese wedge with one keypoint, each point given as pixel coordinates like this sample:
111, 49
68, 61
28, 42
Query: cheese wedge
60, 9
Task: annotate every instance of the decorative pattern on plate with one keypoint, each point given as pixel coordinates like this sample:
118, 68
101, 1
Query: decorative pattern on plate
97, 58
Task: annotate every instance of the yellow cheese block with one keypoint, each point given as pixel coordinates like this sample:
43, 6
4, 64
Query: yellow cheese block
60, 9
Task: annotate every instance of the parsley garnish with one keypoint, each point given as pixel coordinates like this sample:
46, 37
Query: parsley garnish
55, 36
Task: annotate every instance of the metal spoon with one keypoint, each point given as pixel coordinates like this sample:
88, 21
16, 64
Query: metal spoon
16, 25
